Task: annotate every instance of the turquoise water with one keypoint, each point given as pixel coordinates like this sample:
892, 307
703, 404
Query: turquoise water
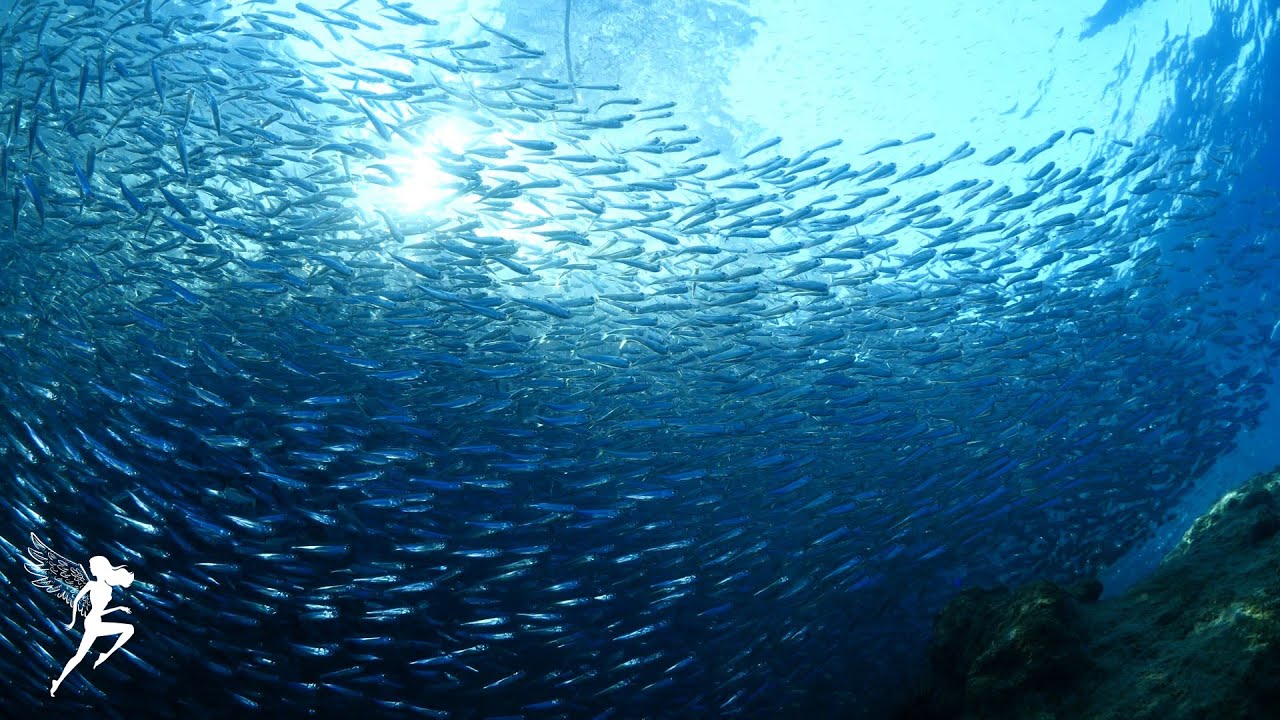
584, 359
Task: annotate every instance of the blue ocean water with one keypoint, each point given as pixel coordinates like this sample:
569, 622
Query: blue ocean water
581, 359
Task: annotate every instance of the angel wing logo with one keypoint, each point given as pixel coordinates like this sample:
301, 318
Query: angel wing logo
59, 576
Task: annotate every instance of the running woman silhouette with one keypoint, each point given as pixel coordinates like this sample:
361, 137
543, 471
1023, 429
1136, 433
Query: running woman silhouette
99, 591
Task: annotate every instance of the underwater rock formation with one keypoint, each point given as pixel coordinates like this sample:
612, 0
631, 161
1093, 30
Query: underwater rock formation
1199, 638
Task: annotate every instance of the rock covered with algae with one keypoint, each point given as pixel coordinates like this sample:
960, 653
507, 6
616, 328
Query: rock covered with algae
1199, 638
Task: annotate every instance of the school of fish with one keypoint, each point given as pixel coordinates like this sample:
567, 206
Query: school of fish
613, 429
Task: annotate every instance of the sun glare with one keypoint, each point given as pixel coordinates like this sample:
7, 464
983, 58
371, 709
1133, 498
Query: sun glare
415, 180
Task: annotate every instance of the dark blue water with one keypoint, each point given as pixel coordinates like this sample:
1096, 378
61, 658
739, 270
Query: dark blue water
581, 360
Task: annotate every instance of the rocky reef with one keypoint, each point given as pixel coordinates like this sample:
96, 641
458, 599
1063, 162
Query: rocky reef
1199, 638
